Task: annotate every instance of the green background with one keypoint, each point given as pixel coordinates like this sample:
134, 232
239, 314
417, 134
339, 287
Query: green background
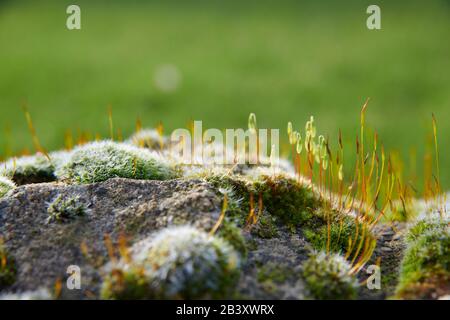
283, 60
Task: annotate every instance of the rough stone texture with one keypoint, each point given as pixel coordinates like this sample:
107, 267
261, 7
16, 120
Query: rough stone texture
43, 251
135, 208
273, 267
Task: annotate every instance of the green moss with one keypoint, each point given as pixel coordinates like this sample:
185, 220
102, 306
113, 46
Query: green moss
63, 209
6, 185
286, 198
7, 268
130, 284
424, 226
327, 277
177, 263
233, 235
295, 205
342, 228
425, 268
266, 227
282, 196
100, 161
35, 169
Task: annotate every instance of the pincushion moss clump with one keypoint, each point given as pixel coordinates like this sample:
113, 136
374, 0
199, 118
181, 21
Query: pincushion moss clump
30, 169
328, 277
100, 161
6, 185
63, 209
178, 263
34, 169
425, 269
148, 138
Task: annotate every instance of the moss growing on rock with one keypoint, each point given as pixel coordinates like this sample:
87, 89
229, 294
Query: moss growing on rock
39, 294
342, 228
6, 185
7, 267
34, 169
281, 195
178, 263
148, 138
266, 227
230, 232
425, 269
63, 209
100, 161
328, 277
129, 283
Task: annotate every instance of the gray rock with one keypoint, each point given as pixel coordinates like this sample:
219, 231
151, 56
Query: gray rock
43, 249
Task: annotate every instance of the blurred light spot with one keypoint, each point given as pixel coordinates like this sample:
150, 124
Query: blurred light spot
167, 78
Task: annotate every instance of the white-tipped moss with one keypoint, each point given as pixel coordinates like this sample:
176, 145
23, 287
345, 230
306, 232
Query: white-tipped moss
6, 185
148, 138
65, 208
100, 161
34, 169
179, 262
328, 277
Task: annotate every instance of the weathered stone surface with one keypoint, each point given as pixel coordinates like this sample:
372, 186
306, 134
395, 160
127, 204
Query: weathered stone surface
43, 251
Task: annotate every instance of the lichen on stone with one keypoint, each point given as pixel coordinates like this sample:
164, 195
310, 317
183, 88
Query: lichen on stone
100, 161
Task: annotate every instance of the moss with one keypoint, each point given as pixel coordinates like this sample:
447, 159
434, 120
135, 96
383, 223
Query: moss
130, 284
327, 277
282, 196
425, 268
178, 263
342, 228
100, 161
63, 209
423, 226
6, 185
266, 227
230, 232
35, 169
286, 198
148, 138
273, 272
7, 268
295, 205
402, 211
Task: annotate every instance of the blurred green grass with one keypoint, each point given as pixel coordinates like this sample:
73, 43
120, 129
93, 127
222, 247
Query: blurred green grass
283, 60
